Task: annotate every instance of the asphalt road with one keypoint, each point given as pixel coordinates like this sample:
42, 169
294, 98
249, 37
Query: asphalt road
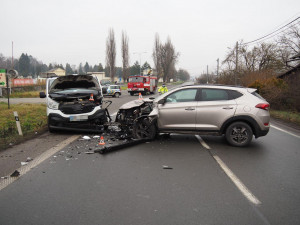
204, 182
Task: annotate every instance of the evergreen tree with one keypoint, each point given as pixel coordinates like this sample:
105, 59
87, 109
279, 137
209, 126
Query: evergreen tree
80, 70
69, 70
24, 65
135, 69
101, 69
86, 67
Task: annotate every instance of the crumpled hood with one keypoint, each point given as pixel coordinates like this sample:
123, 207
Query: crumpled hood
134, 103
75, 81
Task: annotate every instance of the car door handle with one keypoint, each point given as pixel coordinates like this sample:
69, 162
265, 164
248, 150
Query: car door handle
227, 107
189, 109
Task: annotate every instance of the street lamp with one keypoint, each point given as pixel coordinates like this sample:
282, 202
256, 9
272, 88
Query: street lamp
140, 54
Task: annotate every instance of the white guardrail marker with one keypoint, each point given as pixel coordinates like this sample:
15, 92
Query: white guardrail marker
18, 123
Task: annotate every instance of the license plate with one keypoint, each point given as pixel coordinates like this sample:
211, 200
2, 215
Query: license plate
79, 118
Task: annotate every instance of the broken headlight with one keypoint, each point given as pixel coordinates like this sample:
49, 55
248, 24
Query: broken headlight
52, 104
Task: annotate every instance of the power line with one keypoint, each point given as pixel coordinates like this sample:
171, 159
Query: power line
272, 32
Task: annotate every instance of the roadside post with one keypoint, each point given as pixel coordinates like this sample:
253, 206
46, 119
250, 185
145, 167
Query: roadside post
18, 123
9, 75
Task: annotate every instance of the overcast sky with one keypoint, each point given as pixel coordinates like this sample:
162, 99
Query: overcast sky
74, 31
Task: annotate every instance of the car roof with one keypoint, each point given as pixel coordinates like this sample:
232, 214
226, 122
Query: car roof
229, 87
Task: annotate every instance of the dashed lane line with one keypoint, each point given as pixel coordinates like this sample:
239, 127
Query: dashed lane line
238, 183
24, 169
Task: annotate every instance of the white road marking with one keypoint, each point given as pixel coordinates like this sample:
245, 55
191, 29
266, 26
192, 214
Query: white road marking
202, 142
24, 169
287, 132
238, 183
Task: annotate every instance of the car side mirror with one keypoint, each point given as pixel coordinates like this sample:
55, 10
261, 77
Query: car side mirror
162, 101
42, 95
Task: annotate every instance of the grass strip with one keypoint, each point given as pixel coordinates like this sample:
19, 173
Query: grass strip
292, 117
33, 118
27, 94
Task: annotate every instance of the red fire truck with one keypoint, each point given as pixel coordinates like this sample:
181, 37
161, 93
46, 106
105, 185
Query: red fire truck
144, 84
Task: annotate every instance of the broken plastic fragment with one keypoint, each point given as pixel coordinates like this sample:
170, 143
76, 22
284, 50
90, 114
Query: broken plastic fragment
89, 152
86, 138
29, 159
167, 167
15, 174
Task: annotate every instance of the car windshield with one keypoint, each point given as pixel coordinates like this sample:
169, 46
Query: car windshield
135, 79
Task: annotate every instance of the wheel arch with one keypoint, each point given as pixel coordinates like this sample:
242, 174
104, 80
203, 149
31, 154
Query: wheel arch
246, 119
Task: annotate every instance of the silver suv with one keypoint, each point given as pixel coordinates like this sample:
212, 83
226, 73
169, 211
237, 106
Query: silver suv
237, 112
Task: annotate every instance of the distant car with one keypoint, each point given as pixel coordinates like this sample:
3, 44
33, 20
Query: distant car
112, 90
236, 112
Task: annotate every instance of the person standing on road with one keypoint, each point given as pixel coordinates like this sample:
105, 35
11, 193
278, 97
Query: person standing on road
163, 89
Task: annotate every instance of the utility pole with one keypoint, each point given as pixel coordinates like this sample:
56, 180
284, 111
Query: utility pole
140, 54
207, 74
236, 62
217, 69
12, 55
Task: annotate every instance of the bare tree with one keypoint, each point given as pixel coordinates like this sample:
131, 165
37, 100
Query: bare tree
262, 57
157, 56
111, 54
125, 55
168, 59
289, 42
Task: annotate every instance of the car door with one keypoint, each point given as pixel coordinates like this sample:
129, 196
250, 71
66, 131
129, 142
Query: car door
214, 108
179, 110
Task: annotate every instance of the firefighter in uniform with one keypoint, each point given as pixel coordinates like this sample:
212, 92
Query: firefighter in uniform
163, 89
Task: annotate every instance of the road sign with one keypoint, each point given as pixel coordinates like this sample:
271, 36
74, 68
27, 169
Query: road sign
2, 77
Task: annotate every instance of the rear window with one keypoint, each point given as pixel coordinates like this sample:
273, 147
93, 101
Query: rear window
234, 94
257, 95
214, 95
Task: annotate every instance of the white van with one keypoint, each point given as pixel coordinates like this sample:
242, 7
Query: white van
74, 102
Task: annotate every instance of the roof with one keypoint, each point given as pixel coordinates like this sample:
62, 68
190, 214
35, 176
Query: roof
54, 69
291, 71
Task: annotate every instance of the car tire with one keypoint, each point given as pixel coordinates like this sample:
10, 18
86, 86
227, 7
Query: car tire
239, 134
117, 95
131, 93
144, 129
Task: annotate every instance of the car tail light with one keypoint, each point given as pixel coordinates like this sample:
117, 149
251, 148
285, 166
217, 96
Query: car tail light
263, 106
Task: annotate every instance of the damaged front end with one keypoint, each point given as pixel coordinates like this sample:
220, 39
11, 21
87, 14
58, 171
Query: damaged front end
134, 119
74, 102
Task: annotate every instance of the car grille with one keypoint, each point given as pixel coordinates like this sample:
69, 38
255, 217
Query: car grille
76, 108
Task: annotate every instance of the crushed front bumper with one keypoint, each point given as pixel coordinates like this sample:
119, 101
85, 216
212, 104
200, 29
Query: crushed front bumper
93, 123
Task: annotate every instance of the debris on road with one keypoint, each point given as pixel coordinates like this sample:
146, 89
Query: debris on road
167, 167
86, 137
120, 146
24, 163
15, 174
89, 152
29, 159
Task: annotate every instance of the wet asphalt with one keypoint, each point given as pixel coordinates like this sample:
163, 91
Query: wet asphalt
172, 180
